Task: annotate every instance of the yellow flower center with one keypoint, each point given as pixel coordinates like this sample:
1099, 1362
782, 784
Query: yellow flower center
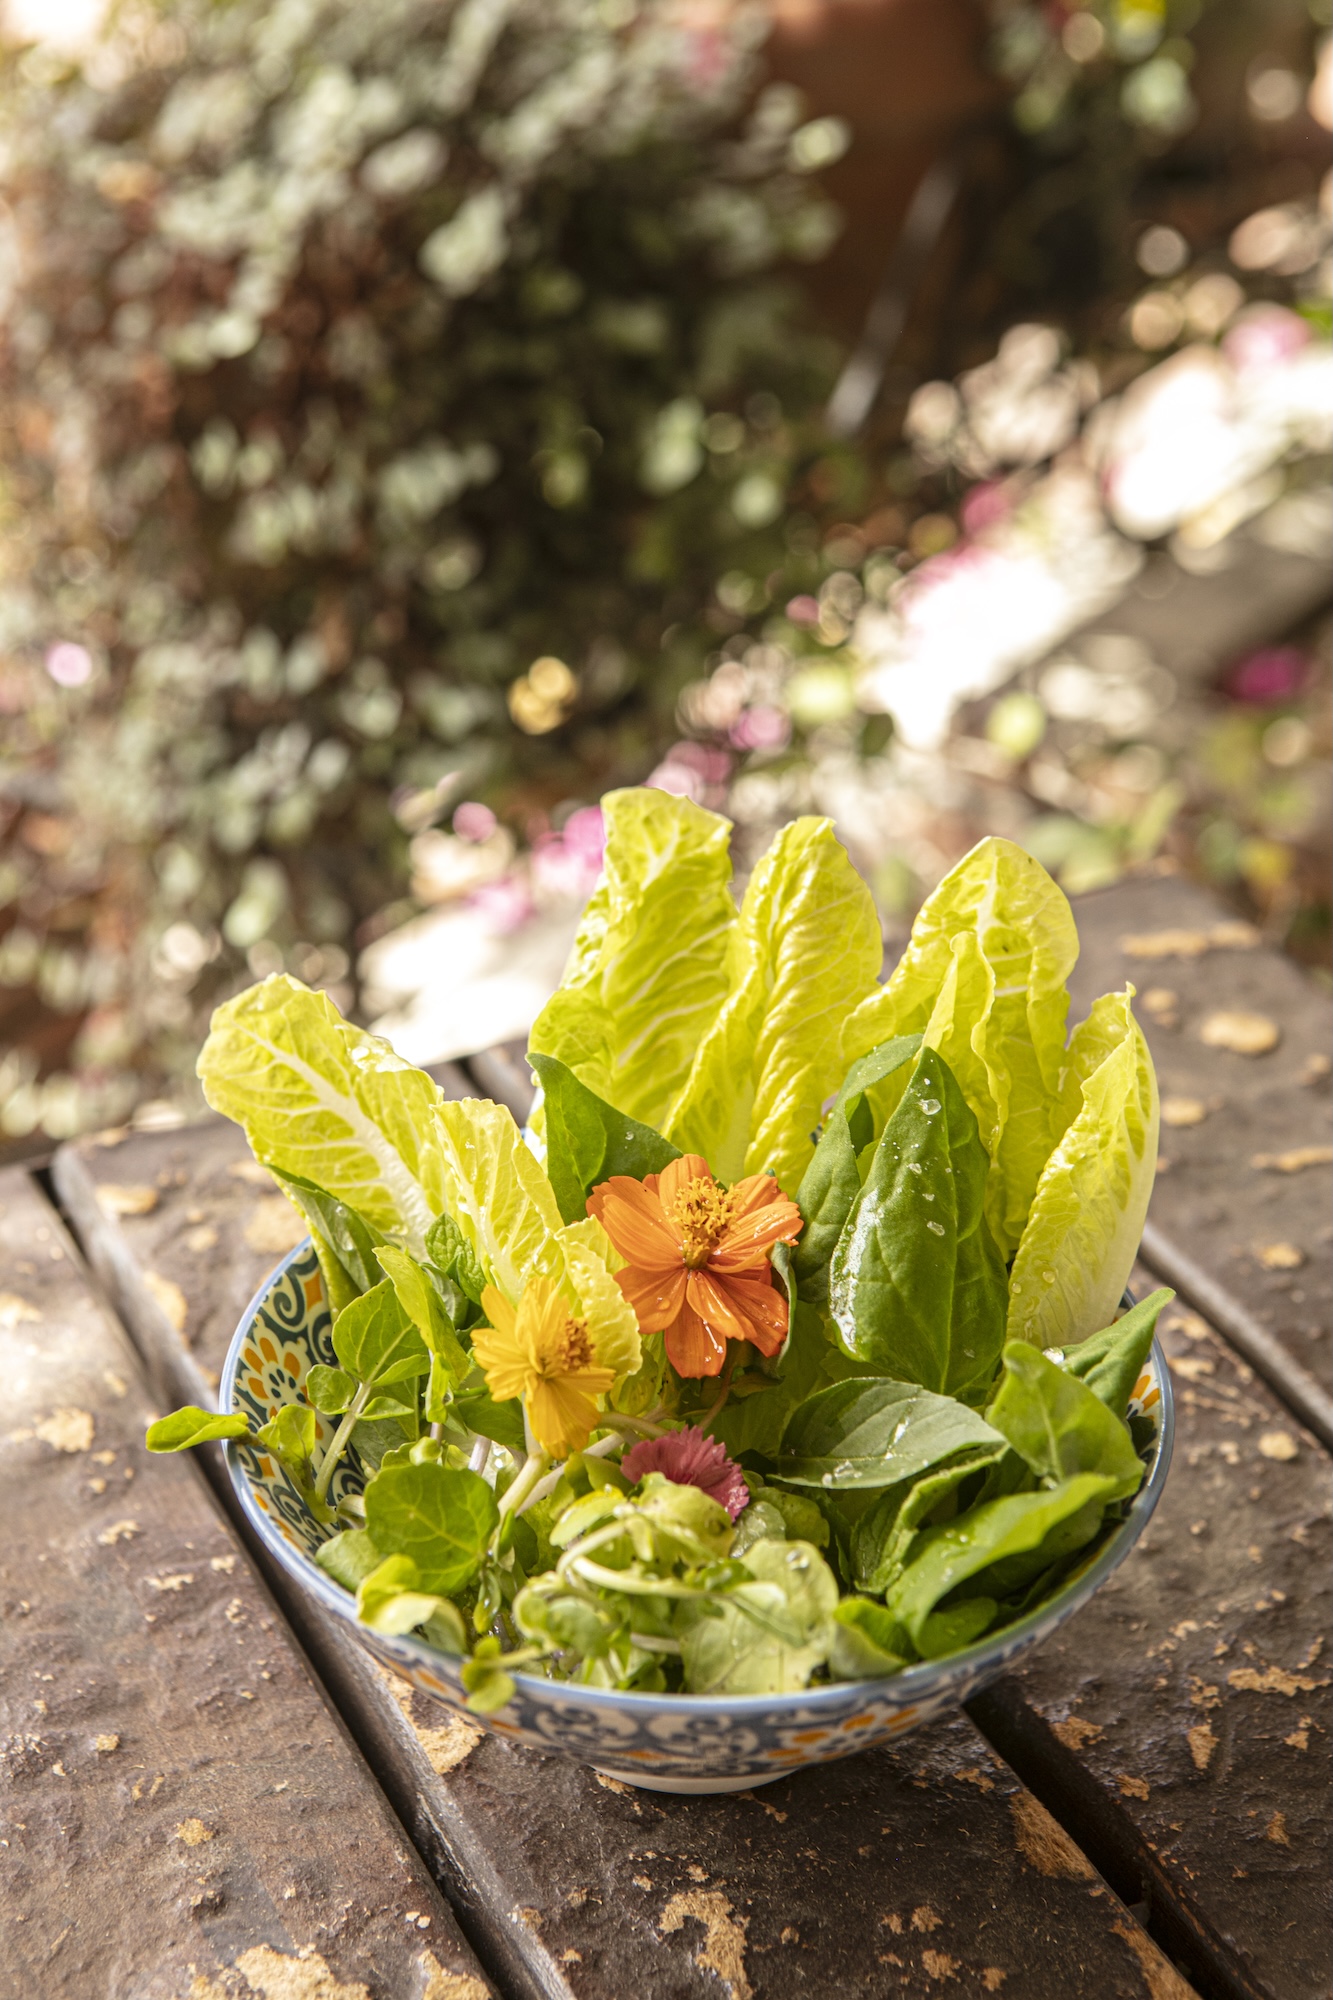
573, 1349
701, 1212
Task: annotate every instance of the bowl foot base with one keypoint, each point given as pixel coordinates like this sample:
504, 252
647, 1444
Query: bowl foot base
697, 1786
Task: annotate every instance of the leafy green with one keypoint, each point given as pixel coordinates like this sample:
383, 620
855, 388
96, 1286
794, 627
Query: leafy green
1082, 1235
917, 1285
647, 973
766, 1636
882, 1538
944, 1557
1058, 1425
832, 1181
805, 949
501, 1422
346, 1237
192, 1425
348, 1557
497, 1195
871, 1432
330, 1389
377, 1343
1024, 928
419, 1298
1112, 1361
328, 1105
391, 1599
454, 1258
441, 1517
868, 1641
588, 1140
290, 1434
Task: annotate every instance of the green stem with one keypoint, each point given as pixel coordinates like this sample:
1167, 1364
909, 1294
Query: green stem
338, 1444
515, 1495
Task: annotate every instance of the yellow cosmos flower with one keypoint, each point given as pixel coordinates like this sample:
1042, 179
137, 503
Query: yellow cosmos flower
544, 1354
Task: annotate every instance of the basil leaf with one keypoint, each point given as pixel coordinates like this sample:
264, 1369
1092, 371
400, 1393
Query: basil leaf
441, 1517
832, 1180
947, 1556
194, 1426
375, 1340
871, 1432
588, 1140
1111, 1362
917, 1285
1059, 1425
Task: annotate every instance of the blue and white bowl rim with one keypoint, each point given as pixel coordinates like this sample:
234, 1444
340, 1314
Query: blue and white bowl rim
912, 1684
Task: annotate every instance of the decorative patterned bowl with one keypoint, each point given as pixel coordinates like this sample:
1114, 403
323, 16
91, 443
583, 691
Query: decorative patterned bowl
661, 1742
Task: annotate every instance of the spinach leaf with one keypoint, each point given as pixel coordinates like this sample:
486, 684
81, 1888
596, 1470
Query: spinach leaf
753, 1417
946, 1556
420, 1299
1059, 1425
376, 1341
588, 1140
881, 1541
917, 1285
1111, 1362
345, 1234
194, 1426
441, 1517
832, 1180
871, 1432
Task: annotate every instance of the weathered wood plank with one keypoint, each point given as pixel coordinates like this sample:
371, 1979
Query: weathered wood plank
1245, 1185
180, 1804
894, 1872
1180, 1724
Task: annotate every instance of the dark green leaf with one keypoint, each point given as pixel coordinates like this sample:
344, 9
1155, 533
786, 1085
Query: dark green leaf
917, 1284
441, 1518
958, 1625
944, 1557
1058, 1425
871, 1432
194, 1426
329, 1389
345, 1233
588, 1140
376, 1341
832, 1181
881, 1541
1111, 1362
501, 1422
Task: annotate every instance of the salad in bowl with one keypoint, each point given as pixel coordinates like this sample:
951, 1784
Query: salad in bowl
783, 1353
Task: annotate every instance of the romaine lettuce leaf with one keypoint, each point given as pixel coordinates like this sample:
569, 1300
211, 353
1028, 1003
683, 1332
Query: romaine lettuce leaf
806, 949
647, 972
496, 1194
1025, 929
1082, 1236
328, 1104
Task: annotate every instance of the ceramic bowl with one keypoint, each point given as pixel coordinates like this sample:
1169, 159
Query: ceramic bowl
661, 1742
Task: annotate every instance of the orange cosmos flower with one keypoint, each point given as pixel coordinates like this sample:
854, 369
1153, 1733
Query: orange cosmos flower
698, 1256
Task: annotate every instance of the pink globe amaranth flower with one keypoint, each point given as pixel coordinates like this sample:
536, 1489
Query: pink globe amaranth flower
1275, 673
688, 1458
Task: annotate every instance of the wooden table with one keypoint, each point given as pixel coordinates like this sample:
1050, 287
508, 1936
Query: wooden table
211, 1793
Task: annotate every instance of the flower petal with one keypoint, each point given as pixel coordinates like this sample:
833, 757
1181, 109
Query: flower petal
711, 1299
656, 1296
764, 1308
693, 1349
676, 1176
633, 1219
749, 1240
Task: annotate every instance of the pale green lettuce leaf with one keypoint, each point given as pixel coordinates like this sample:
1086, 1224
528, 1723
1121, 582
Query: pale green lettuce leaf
647, 973
498, 1195
612, 1320
1087, 1217
807, 949
328, 1103
1024, 926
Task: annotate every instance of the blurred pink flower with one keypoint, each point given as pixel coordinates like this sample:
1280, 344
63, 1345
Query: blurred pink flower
1263, 336
69, 665
986, 505
505, 904
803, 610
584, 834
688, 1458
1275, 673
473, 821
761, 729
